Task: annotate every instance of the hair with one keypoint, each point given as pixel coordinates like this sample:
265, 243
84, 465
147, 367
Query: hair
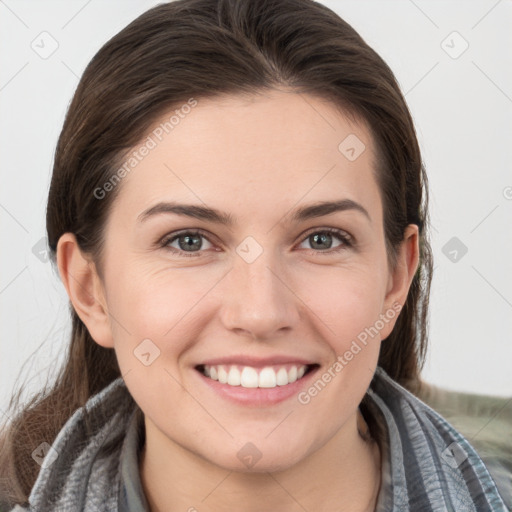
205, 49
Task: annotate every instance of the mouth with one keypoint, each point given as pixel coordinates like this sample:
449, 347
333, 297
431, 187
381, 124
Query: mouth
267, 377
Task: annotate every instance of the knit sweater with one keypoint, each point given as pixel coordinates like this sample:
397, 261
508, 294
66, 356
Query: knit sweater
427, 465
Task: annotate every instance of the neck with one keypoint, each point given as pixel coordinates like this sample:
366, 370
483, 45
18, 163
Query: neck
341, 476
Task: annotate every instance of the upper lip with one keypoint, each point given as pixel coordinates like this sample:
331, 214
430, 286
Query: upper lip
257, 362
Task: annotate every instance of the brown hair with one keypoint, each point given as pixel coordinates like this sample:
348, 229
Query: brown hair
202, 49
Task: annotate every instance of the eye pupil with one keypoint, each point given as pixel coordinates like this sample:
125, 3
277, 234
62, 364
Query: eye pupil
322, 238
190, 243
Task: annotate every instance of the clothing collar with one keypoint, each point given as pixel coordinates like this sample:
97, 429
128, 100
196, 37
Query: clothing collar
131, 493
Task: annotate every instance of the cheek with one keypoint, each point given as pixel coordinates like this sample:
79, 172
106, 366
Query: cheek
158, 317
165, 306
347, 305
346, 301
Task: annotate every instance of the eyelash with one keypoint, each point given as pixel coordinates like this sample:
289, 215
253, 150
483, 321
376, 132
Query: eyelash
345, 238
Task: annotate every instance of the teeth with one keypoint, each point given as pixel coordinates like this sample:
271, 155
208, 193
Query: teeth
234, 376
282, 377
249, 377
223, 375
267, 378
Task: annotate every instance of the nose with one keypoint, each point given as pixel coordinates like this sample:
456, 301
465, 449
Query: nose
258, 299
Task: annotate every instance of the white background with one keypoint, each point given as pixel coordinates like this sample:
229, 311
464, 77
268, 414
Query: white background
462, 108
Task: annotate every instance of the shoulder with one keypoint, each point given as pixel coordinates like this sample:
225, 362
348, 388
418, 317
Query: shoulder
430, 461
486, 421
83, 461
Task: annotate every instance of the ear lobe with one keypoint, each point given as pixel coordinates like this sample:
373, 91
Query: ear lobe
85, 289
401, 277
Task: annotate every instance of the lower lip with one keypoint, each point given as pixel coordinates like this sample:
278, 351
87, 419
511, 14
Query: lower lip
258, 397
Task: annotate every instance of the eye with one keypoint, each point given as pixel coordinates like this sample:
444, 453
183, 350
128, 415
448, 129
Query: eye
323, 240
189, 243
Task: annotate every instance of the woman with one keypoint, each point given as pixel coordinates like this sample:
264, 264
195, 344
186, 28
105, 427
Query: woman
238, 212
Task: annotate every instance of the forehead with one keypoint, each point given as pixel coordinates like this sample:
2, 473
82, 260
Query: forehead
250, 151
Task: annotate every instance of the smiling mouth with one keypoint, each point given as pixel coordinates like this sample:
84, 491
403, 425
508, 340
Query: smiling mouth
250, 377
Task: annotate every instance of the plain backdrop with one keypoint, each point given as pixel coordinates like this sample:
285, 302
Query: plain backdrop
454, 65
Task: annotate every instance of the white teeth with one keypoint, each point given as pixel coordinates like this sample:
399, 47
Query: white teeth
282, 377
267, 378
222, 374
234, 376
249, 377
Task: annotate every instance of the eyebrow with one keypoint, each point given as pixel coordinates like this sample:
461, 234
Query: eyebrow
311, 211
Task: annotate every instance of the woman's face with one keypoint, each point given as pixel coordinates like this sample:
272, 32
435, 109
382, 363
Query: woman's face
272, 288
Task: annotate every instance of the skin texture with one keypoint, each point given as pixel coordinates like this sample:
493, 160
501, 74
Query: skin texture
257, 158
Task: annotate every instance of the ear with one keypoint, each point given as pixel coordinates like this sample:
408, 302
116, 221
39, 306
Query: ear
400, 278
85, 289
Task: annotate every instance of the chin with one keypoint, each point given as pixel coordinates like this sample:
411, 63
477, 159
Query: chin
251, 459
